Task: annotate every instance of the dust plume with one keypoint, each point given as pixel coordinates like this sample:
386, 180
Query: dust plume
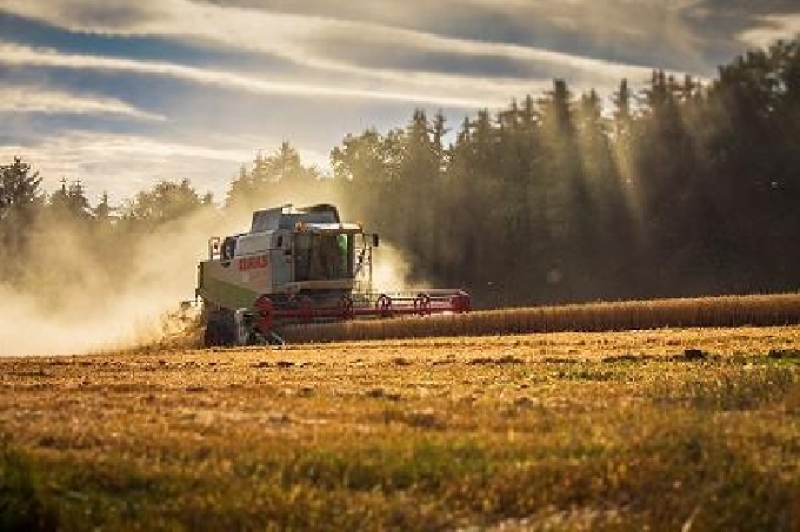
391, 270
74, 298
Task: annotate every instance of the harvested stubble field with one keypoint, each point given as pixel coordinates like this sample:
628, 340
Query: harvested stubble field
668, 430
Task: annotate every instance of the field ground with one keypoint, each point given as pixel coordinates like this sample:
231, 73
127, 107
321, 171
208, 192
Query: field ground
695, 429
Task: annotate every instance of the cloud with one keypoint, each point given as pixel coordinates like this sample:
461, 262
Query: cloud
772, 28
126, 164
20, 56
31, 99
323, 44
693, 36
576, 38
532, 64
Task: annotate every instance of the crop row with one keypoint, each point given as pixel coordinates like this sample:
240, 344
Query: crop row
725, 311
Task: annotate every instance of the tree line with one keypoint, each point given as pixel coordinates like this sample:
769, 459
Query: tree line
681, 188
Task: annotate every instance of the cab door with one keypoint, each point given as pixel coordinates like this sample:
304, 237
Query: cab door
281, 260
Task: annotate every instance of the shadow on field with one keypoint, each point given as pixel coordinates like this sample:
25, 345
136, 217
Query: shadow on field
24, 506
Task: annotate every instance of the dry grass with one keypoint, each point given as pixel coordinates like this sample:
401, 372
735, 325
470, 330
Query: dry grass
728, 311
695, 429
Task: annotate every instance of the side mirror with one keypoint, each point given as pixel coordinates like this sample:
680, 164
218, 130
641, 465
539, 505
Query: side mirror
376, 240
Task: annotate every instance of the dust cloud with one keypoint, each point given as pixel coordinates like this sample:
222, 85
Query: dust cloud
391, 270
73, 302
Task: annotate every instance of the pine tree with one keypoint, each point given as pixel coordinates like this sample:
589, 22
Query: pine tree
20, 204
103, 213
19, 189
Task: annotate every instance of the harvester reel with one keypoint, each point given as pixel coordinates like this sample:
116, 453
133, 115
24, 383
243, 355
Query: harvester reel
461, 303
307, 308
266, 314
423, 304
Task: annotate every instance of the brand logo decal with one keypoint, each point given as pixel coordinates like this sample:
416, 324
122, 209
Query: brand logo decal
253, 263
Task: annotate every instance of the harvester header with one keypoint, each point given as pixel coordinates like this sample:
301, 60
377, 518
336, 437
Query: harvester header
300, 266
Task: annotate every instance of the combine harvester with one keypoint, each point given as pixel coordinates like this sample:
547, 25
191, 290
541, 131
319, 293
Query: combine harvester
299, 266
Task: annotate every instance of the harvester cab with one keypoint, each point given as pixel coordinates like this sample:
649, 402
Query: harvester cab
298, 266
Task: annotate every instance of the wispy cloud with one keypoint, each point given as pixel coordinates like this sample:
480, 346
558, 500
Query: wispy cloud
16, 55
126, 164
331, 41
305, 40
32, 99
773, 28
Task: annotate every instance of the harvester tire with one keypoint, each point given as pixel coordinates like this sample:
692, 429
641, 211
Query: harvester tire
220, 329
210, 337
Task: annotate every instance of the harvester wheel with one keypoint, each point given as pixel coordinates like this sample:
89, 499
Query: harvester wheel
211, 334
220, 329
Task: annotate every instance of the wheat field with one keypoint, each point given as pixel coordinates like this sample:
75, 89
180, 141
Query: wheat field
724, 311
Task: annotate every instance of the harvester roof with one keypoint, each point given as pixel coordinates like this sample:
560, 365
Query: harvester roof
287, 217
324, 228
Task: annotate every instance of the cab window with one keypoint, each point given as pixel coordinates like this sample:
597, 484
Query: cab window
323, 257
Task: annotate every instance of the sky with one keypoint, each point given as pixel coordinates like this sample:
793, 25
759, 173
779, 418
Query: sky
122, 94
